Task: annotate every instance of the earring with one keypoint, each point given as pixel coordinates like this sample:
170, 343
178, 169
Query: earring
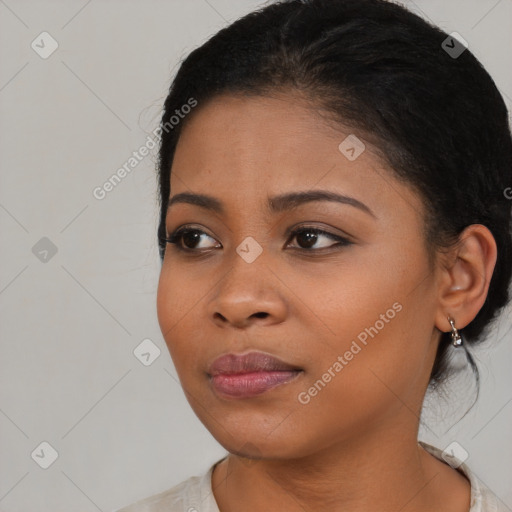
456, 337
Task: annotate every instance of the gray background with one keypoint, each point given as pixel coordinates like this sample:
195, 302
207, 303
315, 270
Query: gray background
70, 323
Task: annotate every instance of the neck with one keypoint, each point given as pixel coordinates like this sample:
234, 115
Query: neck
386, 472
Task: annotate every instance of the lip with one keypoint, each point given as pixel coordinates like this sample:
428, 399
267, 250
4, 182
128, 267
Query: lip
251, 374
230, 364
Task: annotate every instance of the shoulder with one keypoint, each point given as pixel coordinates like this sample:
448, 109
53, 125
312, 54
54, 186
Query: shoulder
191, 495
482, 498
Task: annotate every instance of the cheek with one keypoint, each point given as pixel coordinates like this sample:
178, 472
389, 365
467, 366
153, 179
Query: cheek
371, 384
180, 303
377, 318
179, 293
165, 302
173, 304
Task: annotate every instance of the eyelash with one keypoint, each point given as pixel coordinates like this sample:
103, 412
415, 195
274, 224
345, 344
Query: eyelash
177, 236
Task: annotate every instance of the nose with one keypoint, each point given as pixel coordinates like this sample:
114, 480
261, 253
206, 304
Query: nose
250, 293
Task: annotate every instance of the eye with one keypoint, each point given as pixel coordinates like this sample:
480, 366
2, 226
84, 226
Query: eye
189, 236
186, 238
307, 237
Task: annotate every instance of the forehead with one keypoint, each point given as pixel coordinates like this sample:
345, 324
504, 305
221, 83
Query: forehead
240, 148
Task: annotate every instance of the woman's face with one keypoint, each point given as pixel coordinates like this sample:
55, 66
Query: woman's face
357, 317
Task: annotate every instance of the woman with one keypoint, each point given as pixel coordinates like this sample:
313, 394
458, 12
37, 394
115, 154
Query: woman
335, 226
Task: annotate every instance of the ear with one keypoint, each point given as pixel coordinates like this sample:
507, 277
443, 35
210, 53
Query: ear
465, 275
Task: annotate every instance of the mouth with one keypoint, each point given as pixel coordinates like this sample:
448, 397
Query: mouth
251, 374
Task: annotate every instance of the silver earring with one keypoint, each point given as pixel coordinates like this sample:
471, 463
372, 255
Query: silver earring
456, 337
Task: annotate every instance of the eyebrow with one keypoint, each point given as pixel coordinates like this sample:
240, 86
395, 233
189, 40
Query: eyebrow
276, 204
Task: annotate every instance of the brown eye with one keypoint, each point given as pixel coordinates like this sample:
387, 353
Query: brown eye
188, 236
308, 237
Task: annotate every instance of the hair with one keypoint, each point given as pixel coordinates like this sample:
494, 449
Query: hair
437, 120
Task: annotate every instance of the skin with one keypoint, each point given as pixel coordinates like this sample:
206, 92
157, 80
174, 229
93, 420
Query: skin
353, 447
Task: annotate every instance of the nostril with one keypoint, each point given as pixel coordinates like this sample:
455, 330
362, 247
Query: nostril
261, 314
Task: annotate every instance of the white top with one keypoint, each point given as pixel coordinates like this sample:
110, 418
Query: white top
195, 494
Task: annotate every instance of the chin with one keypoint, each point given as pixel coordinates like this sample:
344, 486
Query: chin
256, 445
